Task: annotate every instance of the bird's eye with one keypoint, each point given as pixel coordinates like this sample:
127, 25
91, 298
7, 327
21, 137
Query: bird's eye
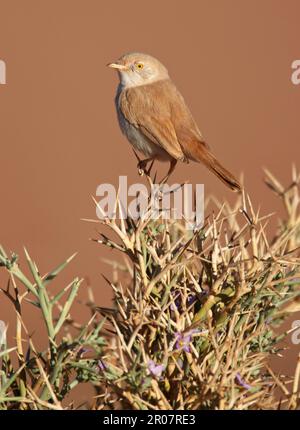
139, 66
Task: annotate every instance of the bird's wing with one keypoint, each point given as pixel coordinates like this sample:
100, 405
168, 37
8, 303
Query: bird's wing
186, 129
192, 143
148, 109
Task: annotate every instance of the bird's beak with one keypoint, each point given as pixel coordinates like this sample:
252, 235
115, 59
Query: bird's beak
117, 66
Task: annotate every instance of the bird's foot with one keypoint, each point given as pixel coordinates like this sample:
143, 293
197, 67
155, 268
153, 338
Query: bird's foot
142, 167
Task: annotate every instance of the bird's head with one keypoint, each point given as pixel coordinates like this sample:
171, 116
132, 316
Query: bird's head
139, 69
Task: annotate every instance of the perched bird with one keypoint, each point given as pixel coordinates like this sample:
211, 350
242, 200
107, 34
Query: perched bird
155, 119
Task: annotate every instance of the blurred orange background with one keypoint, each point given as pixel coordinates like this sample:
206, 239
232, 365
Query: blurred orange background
58, 129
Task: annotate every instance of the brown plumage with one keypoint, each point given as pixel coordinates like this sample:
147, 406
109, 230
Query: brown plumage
156, 120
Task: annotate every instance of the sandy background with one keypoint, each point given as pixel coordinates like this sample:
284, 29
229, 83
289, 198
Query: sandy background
58, 130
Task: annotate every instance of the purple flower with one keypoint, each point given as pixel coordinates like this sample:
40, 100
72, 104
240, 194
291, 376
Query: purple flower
178, 302
268, 321
204, 292
191, 300
180, 363
156, 369
82, 350
173, 307
241, 382
183, 341
101, 365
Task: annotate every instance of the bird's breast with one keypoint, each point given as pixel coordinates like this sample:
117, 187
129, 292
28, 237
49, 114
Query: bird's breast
137, 138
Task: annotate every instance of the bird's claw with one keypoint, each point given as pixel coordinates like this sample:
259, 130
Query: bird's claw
141, 168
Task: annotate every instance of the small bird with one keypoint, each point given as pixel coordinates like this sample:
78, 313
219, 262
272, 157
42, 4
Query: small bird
156, 120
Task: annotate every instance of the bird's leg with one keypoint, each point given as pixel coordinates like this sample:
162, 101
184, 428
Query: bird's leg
173, 163
142, 164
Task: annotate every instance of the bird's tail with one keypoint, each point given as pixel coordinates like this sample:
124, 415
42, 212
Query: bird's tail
210, 161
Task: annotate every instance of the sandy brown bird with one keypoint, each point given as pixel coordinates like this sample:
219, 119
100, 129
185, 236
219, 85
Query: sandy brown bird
155, 119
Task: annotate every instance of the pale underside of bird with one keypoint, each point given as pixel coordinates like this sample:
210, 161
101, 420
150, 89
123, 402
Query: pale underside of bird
156, 120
